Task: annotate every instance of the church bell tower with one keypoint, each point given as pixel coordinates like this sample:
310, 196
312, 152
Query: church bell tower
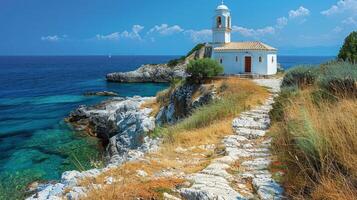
221, 28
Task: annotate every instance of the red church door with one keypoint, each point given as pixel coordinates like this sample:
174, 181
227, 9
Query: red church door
248, 64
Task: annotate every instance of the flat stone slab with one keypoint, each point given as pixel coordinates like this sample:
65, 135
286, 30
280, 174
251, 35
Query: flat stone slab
215, 183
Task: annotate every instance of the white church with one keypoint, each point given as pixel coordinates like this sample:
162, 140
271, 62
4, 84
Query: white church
239, 57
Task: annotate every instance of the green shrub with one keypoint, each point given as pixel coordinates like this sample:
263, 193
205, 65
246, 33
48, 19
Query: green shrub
203, 68
300, 76
339, 79
348, 51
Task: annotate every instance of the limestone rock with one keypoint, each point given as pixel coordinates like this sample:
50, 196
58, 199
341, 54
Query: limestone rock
159, 73
103, 93
169, 197
141, 173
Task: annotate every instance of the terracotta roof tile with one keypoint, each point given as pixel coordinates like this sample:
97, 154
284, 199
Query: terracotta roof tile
245, 46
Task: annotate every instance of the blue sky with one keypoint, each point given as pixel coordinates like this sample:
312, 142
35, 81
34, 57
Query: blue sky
169, 27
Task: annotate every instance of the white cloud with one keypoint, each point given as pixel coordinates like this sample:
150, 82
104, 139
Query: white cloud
337, 29
112, 36
200, 35
205, 35
300, 12
165, 29
281, 22
247, 32
133, 34
341, 6
349, 21
53, 38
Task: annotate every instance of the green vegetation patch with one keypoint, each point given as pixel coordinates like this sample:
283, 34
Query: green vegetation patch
348, 52
300, 76
202, 69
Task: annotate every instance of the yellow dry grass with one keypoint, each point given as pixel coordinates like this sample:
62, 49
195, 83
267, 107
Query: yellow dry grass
193, 159
152, 104
318, 141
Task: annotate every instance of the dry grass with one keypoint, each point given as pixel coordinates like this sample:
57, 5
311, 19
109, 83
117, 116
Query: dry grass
152, 104
318, 141
242, 94
132, 190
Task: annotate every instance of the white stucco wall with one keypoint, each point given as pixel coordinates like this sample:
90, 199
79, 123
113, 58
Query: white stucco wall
221, 36
232, 66
272, 64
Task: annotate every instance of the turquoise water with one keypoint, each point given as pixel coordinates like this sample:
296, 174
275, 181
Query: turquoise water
37, 93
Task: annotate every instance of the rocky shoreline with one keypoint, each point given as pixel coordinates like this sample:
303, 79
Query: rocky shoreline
123, 125
119, 121
161, 73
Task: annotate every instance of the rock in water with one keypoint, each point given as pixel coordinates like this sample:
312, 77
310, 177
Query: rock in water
103, 93
124, 124
160, 73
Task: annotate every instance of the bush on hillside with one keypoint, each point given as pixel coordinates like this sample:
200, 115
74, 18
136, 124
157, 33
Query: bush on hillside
348, 51
202, 69
339, 79
300, 76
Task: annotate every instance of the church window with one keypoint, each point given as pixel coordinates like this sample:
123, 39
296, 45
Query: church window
260, 59
236, 58
272, 59
219, 22
221, 60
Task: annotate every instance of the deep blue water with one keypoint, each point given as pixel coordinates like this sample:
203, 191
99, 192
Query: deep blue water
37, 93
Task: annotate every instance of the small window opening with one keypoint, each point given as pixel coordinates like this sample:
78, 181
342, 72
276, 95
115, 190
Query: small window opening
260, 59
236, 58
219, 22
272, 59
221, 60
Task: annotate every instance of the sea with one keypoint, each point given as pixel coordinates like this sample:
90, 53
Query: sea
38, 92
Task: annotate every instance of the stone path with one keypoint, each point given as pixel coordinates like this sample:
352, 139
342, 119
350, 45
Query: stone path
243, 173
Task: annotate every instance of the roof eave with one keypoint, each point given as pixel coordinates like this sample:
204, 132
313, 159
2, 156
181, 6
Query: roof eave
216, 49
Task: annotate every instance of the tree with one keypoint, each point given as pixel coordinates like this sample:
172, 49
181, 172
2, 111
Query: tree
348, 51
202, 69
